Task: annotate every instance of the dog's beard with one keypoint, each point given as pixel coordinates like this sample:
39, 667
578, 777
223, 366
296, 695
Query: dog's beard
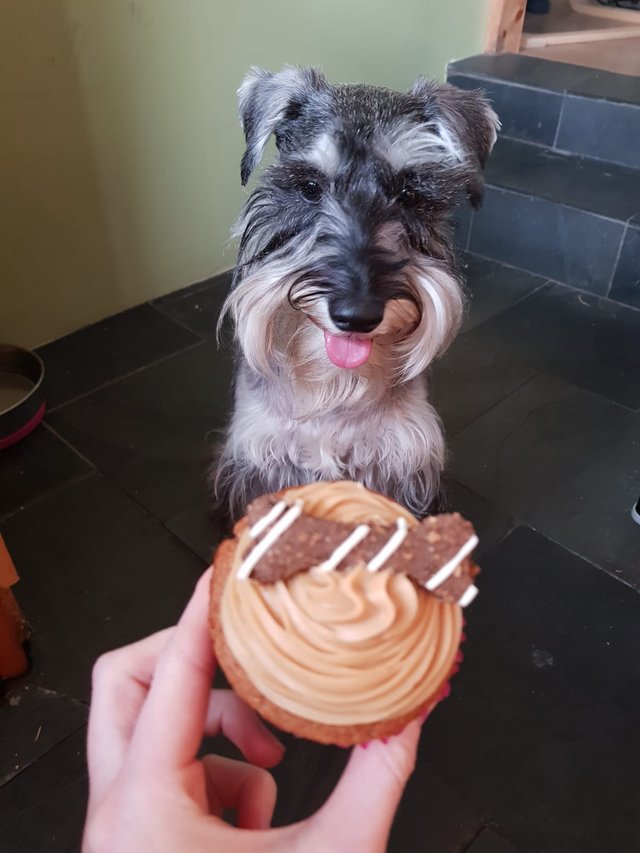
280, 327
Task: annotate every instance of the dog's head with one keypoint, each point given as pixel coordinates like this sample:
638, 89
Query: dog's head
345, 263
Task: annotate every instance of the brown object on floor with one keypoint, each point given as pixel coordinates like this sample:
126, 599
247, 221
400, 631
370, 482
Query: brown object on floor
13, 626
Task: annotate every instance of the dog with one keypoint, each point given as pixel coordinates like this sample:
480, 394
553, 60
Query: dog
345, 288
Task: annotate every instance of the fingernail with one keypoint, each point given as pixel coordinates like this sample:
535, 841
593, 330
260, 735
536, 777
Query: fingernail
365, 744
384, 739
463, 637
454, 669
445, 692
459, 657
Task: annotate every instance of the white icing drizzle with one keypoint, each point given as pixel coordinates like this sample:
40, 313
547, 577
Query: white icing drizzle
267, 520
250, 562
391, 546
344, 548
449, 568
468, 595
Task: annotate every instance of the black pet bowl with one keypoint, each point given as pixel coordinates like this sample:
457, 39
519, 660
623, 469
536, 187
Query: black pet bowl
22, 403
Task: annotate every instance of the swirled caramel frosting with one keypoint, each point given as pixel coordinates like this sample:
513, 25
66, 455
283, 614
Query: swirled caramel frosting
325, 617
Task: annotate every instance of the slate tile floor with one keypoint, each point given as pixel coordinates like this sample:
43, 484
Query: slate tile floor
104, 511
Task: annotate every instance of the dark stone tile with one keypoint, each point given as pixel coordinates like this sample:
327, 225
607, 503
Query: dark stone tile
519, 71
109, 349
32, 721
99, 573
606, 85
198, 309
34, 466
432, 815
601, 129
590, 185
490, 842
152, 433
491, 522
549, 239
191, 289
43, 809
470, 379
198, 529
566, 462
530, 71
589, 341
626, 279
306, 777
493, 287
537, 732
528, 114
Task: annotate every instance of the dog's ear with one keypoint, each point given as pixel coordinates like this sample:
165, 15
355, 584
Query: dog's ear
267, 102
467, 124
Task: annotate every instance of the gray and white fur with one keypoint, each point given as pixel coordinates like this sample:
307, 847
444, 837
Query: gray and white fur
348, 232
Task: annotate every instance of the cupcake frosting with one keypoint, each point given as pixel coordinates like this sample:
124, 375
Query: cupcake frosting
340, 647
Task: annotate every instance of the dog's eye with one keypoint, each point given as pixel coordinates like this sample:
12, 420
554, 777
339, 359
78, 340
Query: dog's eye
408, 197
311, 190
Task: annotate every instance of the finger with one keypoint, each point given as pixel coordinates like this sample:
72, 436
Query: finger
120, 682
250, 790
359, 813
242, 726
171, 722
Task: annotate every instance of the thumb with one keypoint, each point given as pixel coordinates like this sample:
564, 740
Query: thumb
359, 813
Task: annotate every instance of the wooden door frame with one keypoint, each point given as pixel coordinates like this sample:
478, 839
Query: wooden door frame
506, 19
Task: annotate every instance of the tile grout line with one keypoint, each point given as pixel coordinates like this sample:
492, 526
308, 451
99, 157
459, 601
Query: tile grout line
523, 522
44, 754
501, 187
74, 481
194, 345
66, 442
468, 240
96, 472
567, 152
561, 114
509, 394
183, 293
159, 310
556, 281
516, 84
617, 258
116, 486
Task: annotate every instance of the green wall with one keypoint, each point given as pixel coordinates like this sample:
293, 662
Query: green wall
120, 146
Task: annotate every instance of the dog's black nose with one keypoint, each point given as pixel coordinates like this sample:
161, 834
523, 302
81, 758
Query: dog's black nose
350, 316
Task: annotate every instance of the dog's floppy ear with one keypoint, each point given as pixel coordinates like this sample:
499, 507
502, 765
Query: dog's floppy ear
267, 101
467, 124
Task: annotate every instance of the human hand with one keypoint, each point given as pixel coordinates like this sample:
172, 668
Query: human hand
151, 706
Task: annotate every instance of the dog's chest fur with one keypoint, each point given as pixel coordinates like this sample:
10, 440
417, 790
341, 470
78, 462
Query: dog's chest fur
375, 439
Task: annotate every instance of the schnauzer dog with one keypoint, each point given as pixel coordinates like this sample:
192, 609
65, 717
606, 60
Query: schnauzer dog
345, 288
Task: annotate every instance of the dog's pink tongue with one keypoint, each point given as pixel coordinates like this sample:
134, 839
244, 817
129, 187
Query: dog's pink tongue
347, 350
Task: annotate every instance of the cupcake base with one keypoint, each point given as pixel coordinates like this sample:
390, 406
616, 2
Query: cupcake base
341, 735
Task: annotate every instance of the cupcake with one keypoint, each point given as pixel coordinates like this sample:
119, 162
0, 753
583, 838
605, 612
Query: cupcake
337, 615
